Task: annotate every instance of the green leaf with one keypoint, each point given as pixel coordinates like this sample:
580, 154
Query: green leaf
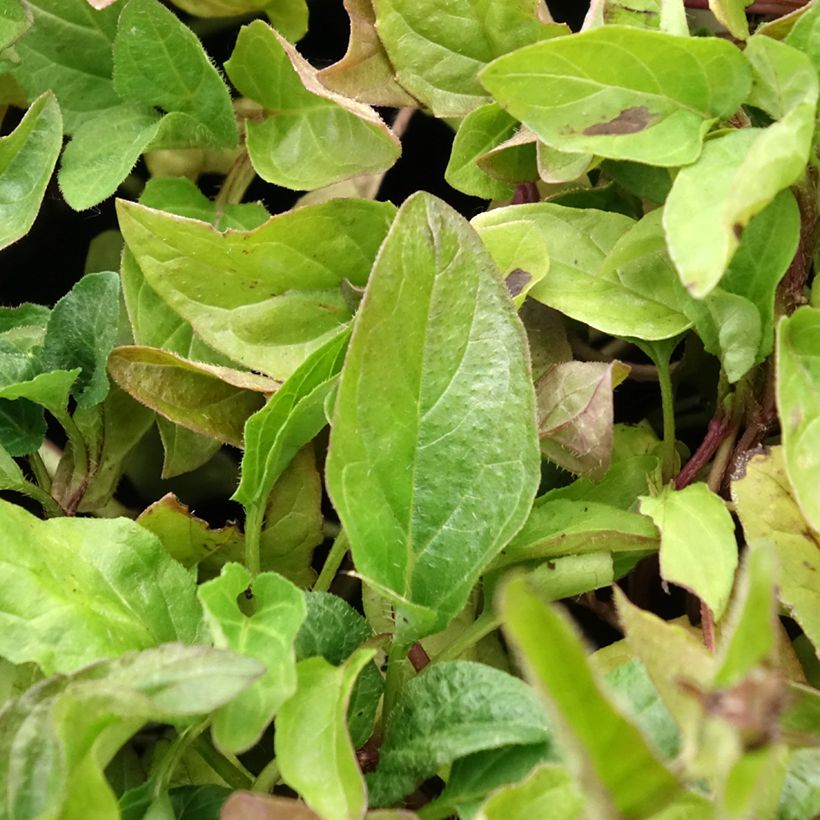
564, 526
736, 176
68, 50
50, 389
310, 136
732, 13
801, 790
82, 331
548, 792
365, 73
185, 537
312, 744
781, 520
422, 535
487, 127
698, 549
22, 426
622, 93
208, 399
267, 297
514, 160
783, 77
576, 415
58, 736
656, 15
798, 403
159, 61
67, 603
804, 34
278, 609
438, 51
561, 166
617, 768
454, 709
294, 416
644, 181
27, 158
14, 22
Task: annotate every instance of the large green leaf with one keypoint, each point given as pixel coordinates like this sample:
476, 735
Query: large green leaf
430, 483
454, 709
68, 50
14, 22
56, 739
79, 590
27, 158
622, 93
266, 297
437, 51
617, 768
309, 136
698, 548
798, 402
158, 61
312, 743
267, 635
768, 510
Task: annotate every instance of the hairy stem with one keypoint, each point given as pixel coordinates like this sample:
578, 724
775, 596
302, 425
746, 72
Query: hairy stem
668, 408
254, 515
482, 626
332, 563
231, 771
396, 656
38, 467
236, 183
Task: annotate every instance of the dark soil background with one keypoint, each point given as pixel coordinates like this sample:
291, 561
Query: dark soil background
44, 265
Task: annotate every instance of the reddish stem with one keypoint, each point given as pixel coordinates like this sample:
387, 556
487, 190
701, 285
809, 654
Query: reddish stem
707, 624
717, 431
525, 193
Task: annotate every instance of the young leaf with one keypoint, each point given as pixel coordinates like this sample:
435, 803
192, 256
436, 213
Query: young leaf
68, 603
56, 739
294, 416
732, 13
592, 93
364, 73
616, 766
454, 709
27, 158
309, 136
576, 416
266, 297
437, 51
312, 744
81, 332
698, 549
514, 160
548, 792
68, 50
798, 403
266, 635
422, 535
781, 520
655, 15
208, 399
159, 61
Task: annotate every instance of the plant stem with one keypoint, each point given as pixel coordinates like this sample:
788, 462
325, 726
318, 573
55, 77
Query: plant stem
38, 467
482, 626
174, 753
51, 508
668, 408
332, 563
268, 778
79, 450
254, 515
231, 771
236, 183
393, 679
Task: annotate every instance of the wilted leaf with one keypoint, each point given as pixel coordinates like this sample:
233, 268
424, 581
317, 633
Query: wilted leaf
656, 15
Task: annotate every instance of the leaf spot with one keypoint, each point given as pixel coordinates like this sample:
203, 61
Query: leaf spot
629, 121
517, 281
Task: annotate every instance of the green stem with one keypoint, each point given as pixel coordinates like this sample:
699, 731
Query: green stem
668, 408
38, 467
332, 563
79, 450
396, 657
174, 754
236, 183
231, 771
51, 508
482, 626
268, 778
254, 516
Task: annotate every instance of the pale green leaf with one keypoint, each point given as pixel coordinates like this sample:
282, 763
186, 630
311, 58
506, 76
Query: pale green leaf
312, 743
56, 739
698, 549
437, 51
801, 789
622, 93
454, 709
732, 13
365, 73
656, 15
209, 399
27, 158
783, 77
14, 22
266, 297
417, 359
67, 602
805, 33
557, 167
309, 136
798, 403
159, 61
616, 767
549, 791
780, 520
266, 634
753, 785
